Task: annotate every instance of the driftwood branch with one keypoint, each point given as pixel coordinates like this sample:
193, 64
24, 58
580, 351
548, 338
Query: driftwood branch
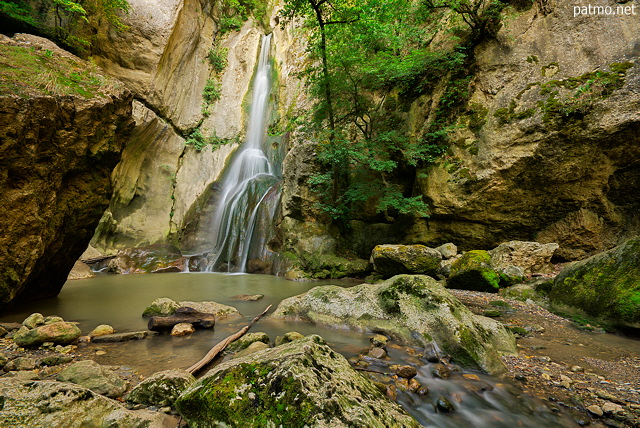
220, 346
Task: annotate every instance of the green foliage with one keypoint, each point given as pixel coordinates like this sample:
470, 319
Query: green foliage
19, 11
217, 57
236, 12
199, 142
211, 91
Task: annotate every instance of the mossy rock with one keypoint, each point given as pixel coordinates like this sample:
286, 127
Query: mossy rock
247, 340
605, 286
162, 388
415, 310
473, 271
324, 266
390, 260
300, 384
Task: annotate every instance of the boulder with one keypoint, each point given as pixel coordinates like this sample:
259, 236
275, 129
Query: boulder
157, 258
525, 292
52, 319
20, 364
162, 388
251, 349
288, 337
166, 307
415, 310
475, 270
531, 257
33, 320
162, 306
605, 286
389, 260
80, 270
248, 339
61, 333
448, 250
97, 378
302, 383
56, 404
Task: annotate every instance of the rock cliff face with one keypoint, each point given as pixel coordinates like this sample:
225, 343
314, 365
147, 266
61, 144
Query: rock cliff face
59, 141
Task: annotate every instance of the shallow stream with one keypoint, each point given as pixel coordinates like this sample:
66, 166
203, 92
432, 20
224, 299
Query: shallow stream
119, 300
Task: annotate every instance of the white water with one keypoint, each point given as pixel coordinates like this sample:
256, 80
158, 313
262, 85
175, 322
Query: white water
246, 182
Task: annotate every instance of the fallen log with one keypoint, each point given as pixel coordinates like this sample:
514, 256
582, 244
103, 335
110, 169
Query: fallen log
184, 314
220, 346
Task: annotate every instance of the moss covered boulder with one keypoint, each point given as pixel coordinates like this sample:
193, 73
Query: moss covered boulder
474, 271
415, 310
605, 286
389, 260
162, 388
165, 306
300, 384
61, 333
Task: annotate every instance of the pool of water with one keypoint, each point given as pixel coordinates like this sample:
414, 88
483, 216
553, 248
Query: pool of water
119, 300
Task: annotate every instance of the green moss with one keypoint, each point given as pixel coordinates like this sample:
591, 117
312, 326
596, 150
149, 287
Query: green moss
27, 72
407, 285
474, 272
477, 116
532, 58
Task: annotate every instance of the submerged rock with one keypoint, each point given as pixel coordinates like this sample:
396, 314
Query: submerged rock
162, 388
603, 286
97, 378
415, 309
56, 404
60, 333
389, 260
302, 383
120, 337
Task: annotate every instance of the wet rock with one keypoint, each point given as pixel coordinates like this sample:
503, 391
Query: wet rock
603, 286
162, 388
389, 260
377, 353
431, 354
33, 320
317, 388
422, 391
248, 297
101, 330
247, 340
121, 337
251, 349
379, 341
531, 257
59, 333
441, 371
182, 329
288, 337
406, 371
444, 405
415, 309
448, 250
470, 376
20, 364
54, 404
414, 385
157, 258
56, 360
402, 384
97, 378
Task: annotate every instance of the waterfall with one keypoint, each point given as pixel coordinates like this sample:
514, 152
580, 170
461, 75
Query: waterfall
248, 182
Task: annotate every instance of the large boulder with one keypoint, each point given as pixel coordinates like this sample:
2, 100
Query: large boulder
416, 310
165, 306
158, 258
162, 388
302, 383
604, 286
97, 378
60, 143
61, 333
389, 260
474, 271
531, 257
56, 404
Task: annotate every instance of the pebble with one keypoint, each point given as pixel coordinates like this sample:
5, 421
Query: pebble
392, 393
610, 407
441, 371
377, 353
577, 369
378, 341
545, 376
444, 405
101, 352
414, 385
422, 391
470, 376
595, 410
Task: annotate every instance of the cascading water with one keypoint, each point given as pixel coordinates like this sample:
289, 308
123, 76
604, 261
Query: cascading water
248, 183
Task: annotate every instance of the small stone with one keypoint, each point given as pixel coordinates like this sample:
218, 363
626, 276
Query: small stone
577, 369
447, 250
520, 377
56, 360
564, 378
595, 410
565, 384
470, 376
406, 371
402, 384
441, 371
444, 405
414, 385
20, 364
379, 341
84, 339
392, 393
101, 352
431, 353
165, 409
182, 329
33, 320
3, 360
378, 353
102, 330
610, 408
120, 337
288, 337
422, 391
544, 359
545, 376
